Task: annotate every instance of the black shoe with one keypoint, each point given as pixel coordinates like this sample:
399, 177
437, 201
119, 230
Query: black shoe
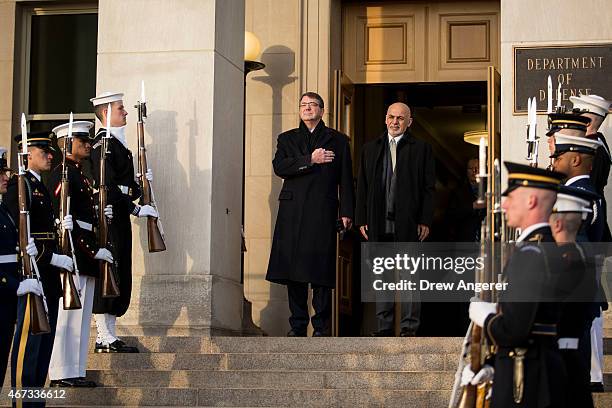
294, 333
597, 387
318, 333
407, 333
382, 333
116, 346
73, 382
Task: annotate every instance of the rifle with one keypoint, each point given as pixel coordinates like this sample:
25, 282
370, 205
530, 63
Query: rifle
38, 304
475, 347
108, 279
155, 229
71, 295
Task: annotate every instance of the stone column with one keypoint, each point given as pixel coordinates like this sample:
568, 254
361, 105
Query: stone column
190, 55
7, 33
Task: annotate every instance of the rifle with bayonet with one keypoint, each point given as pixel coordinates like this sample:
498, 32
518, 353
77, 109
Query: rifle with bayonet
38, 304
71, 295
108, 271
155, 230
475, 347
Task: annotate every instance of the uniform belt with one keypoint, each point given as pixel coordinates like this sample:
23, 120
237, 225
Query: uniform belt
568, 343
43, 236
85, 225
542, 329
12, 258
124, 189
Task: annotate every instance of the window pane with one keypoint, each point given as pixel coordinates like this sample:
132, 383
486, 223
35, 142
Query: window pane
63, 56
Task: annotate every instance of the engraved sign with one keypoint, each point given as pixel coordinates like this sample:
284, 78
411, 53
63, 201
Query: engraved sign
580, 69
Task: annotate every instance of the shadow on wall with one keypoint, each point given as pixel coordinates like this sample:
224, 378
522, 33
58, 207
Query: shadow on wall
166, 273
278, 74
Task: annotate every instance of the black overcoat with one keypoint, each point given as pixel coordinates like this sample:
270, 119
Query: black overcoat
312, 198
415, 185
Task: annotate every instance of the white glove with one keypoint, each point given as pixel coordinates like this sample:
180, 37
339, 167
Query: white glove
108, 212
485, 374
479, 311
31, 248
62, 261
67, 223
147, 211
29, 286
104, 254
148, 175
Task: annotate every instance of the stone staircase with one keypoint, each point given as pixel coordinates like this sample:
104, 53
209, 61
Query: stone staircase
272, 371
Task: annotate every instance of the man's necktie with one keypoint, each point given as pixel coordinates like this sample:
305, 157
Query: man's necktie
393, 148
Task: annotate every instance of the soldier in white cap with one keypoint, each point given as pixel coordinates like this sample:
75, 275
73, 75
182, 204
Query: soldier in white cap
578, 288
123, 190
597, 108
69, 357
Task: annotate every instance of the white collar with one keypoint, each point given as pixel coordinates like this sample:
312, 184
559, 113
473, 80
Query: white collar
35, 174
530, 229
397, 138
576, 178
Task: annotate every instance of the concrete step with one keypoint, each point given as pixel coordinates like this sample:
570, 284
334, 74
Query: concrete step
250, 397
274, 361
370, 345
275, 380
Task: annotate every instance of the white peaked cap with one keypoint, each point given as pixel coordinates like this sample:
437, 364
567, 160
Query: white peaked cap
80, 126
570, 203
576, 143
591, 103
106, 98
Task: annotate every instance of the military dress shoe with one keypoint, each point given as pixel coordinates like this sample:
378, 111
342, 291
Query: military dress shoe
382, 333
407, 333
295, 333
73, 382
597, 387
116, 346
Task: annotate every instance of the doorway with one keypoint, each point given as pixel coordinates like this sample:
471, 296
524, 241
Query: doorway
442, 113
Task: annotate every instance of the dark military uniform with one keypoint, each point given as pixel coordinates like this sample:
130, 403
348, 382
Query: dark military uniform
577, 281
122, 191
9, 282
82, 209
528, 327
592, 229
31, 354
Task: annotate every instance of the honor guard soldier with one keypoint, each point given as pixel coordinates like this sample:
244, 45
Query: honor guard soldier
573, 156
578, 287
69, 357
11, 284
122, 190
32, 353
597, 108
528, 370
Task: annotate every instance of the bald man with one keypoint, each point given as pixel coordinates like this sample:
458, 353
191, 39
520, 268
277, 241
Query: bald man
395, 191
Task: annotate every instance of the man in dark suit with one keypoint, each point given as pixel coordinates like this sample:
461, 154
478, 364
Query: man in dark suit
395, 190
315, 163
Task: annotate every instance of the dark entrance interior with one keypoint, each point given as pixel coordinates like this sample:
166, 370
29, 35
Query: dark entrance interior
442, 112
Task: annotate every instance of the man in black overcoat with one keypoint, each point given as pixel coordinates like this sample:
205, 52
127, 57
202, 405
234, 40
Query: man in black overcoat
315, 163
395, 190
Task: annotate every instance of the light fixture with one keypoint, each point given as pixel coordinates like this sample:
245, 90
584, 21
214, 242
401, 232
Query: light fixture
252, 46
473, 136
